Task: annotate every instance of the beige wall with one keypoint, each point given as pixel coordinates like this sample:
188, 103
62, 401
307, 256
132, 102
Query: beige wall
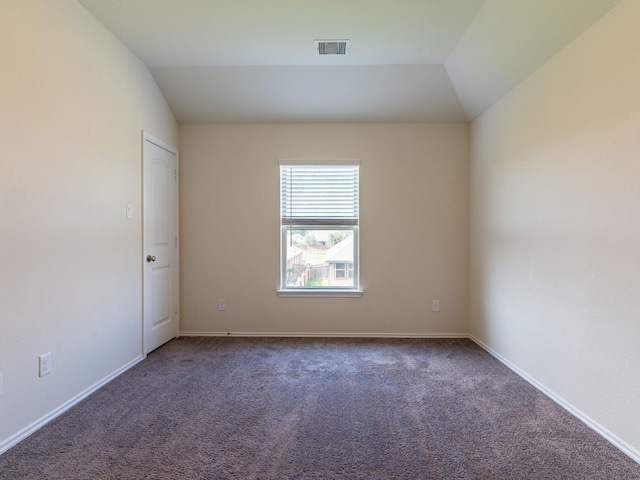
413, 234
74, 102
555, 225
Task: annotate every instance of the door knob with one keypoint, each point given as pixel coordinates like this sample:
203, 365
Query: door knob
151, 258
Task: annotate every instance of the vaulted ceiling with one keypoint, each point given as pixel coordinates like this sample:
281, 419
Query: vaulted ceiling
253, 61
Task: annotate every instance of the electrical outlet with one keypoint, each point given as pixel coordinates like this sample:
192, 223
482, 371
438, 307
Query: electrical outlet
45, 364
435, 306
222, 305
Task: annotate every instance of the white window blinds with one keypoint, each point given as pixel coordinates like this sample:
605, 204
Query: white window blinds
319, 194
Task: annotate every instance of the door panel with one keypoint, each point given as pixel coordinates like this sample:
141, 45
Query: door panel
160, 238
161, 302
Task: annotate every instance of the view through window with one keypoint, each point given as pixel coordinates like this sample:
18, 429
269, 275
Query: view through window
320, 258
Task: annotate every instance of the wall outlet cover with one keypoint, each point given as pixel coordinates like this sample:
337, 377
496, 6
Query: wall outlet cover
45, 364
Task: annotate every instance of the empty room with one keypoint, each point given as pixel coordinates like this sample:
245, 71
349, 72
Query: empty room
291, 239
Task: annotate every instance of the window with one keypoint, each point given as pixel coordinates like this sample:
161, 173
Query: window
341, 270
344, 270
319, 220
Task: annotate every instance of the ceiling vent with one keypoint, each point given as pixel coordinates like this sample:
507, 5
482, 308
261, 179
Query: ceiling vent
332, 47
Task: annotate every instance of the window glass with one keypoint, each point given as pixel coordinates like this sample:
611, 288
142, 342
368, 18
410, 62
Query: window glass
319, 258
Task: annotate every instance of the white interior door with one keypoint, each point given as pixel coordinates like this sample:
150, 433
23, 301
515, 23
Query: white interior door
160, 239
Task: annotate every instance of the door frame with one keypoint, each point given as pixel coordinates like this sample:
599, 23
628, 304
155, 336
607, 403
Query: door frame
147, 137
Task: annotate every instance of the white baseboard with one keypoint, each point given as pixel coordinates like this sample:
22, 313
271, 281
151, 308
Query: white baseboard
324, 334
25, 432
611, 437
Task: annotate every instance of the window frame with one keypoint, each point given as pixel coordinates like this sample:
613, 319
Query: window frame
331, 291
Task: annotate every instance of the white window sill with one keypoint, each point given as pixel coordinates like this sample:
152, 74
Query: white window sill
317, 292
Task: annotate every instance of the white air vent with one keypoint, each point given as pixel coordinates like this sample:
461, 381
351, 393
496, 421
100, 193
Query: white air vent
332, 47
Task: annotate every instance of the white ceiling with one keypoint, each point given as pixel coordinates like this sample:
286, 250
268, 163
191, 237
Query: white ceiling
248, 61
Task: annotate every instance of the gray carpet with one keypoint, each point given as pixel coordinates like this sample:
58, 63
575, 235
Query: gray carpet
272, 408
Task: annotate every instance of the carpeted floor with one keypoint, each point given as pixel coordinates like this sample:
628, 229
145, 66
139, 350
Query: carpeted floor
273, 408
